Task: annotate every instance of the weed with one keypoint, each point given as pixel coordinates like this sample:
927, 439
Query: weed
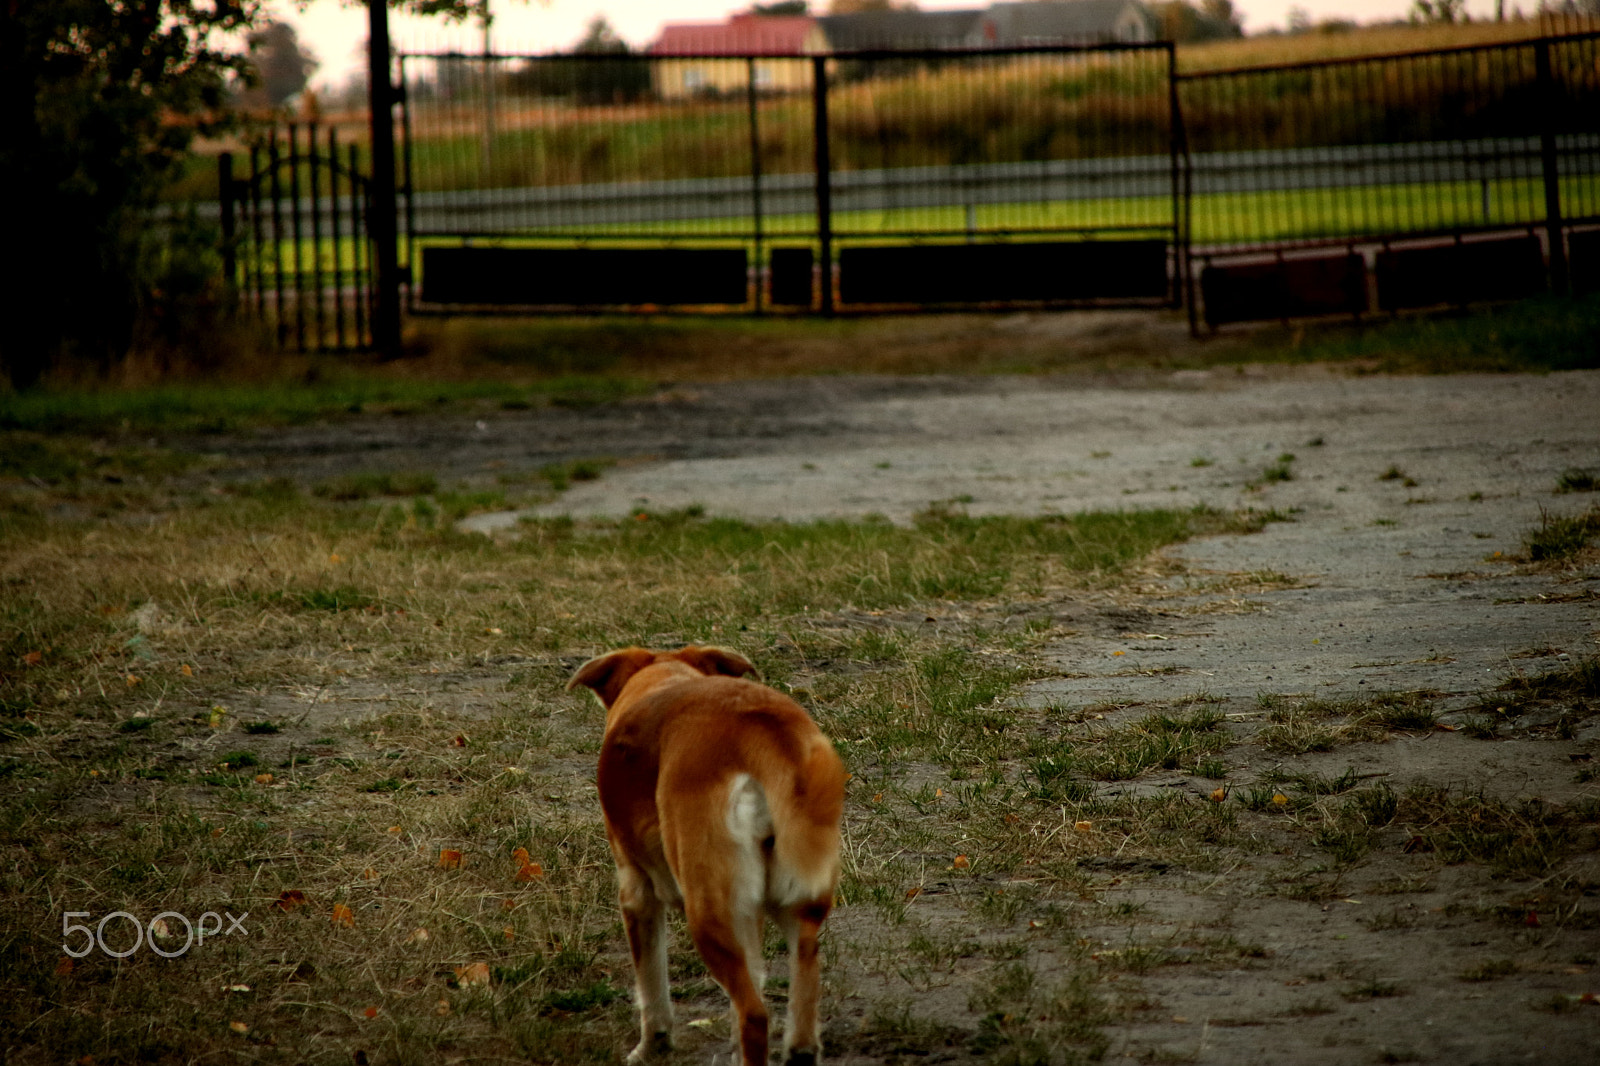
1282, 470
1574, 479
1559, 537
1527, 839
1489, 970
365, 486
262, 727
1373, 989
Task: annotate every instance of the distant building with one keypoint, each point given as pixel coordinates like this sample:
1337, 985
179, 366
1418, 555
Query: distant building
867, 31
1044, 22
1000, 25
745, 34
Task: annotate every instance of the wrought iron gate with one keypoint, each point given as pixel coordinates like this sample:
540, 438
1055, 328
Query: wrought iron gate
295, 239
858, 182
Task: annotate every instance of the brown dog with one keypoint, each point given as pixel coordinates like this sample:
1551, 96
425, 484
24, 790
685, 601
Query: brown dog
722, 798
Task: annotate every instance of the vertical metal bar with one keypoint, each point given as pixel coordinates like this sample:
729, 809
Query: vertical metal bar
1550, 164
294, 229
824, 167
259, 284
273, 159
755, 172
338, 247
1174, 138
225, 193
316, 236
380, 189
360, 287
411, 219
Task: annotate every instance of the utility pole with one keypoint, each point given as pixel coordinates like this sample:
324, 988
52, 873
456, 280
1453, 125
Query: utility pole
486, 150
382, 205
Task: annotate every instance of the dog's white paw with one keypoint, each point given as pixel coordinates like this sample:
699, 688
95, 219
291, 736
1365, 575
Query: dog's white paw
653, 1046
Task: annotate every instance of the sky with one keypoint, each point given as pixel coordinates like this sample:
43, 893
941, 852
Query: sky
336, 33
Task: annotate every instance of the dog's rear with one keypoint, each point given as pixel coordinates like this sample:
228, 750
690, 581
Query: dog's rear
721, 796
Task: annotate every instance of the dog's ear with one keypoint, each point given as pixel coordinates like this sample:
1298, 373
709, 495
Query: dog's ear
711, 660
607, 674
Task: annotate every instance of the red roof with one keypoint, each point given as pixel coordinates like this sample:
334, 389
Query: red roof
741, 34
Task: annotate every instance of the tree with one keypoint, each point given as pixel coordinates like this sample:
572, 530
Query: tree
281, 64
780, 8
1438, 11
608, 80
99, 102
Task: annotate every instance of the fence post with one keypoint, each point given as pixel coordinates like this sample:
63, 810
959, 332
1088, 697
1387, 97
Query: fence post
755, 169
225, 191
819, 136
1551, 165
382, 225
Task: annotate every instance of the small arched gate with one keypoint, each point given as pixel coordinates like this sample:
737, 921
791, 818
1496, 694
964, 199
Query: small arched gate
295, 239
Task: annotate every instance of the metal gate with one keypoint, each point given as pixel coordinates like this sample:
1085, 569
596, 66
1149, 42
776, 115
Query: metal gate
858, 182
295, 240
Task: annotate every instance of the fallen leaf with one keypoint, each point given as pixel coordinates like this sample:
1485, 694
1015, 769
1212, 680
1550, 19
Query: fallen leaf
187, 670
1034, 923
530, 871
1280, 800
344, 916
449, 859
913, 893
1119, 653
369, 874
64, 967
236, 988
473, 973
335, 558
1532, 920
492, 631
1218, 795
511, 934
938, 793
418, 935
442, 1007
1446, 726
700, 1023
1012, 819
371, 1012
394, 829
877, 797
1590, 999
460, 741
1083, 827
508, 904
263, 779
961, 862
239, 1027
289, 899
520, 856
33, 658
160, 929
131, 680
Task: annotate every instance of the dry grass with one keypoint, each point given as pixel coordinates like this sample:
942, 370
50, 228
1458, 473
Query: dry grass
212, 702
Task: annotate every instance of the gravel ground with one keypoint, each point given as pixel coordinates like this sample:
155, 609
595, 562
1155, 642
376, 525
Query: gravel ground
1376, 584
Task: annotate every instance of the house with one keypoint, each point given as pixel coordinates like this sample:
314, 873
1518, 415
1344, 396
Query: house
699, 73
866, 31
1044, 22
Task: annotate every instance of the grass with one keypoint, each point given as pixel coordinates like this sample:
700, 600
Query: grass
288, 764
1560, 537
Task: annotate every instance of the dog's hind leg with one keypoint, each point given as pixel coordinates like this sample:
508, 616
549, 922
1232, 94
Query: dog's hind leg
642, 914
727, 951
802, 1045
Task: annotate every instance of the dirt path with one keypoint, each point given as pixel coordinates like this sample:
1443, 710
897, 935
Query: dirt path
1379, 583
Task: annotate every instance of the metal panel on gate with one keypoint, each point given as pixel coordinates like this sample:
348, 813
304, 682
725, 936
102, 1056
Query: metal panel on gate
584, 277
1501, 269
1057, 271
1583, 262
1284, 288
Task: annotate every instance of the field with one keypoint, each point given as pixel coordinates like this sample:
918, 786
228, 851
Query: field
251, 669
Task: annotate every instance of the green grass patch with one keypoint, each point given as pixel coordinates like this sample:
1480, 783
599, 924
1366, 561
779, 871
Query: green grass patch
1559, 537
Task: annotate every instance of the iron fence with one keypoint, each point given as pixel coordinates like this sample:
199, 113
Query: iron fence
1396, 181
850, 182
1038, 177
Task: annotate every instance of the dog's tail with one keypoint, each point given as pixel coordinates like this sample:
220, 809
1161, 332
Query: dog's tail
805, 829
